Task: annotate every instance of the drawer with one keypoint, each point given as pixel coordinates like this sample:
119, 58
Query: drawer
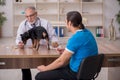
111, 61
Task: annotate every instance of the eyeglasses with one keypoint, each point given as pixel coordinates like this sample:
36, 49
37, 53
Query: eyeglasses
31, 15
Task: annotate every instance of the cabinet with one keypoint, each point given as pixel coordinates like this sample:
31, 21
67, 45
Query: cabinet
55, 10
92, 11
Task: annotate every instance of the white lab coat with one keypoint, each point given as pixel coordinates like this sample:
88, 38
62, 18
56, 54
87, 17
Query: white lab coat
25, 26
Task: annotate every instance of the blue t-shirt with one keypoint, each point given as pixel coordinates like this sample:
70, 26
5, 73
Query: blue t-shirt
82, 44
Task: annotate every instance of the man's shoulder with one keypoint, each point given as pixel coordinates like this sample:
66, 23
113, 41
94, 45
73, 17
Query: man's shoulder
43, 20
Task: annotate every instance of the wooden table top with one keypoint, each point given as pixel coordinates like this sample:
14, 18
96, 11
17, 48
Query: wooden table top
109, 47
11, 51
105, 46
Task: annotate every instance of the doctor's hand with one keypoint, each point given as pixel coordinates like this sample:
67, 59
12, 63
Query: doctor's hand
20, 45
60, 50
41, 68
54, 44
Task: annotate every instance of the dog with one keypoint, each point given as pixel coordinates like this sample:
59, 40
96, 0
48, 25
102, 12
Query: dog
36, 34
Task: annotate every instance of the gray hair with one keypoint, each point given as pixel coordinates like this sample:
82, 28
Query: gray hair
32, 8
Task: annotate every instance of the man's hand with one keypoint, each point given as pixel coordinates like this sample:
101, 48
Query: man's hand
54, 44
20, 45
41, 68
60, 50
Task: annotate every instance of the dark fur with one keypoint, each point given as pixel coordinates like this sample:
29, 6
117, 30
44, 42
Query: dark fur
35, 34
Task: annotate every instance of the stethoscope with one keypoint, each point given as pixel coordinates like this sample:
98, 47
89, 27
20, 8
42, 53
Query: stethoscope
37, 20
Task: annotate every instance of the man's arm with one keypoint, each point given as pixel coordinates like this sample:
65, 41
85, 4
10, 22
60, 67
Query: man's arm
20, 30
61, 61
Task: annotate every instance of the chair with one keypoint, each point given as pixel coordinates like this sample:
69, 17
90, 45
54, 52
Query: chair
90, 67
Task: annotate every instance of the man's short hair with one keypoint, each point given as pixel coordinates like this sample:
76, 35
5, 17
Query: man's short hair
32, 8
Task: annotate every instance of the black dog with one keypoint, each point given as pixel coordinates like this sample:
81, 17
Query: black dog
35, 34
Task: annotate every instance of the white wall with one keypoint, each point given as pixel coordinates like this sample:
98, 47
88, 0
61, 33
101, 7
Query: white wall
7, 29
111, 9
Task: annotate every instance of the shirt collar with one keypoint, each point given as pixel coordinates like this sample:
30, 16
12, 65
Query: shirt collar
37, 22
79, 30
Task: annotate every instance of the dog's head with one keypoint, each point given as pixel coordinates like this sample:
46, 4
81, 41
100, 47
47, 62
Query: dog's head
25, 37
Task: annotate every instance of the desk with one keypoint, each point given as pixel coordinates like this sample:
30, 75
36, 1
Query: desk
12, 58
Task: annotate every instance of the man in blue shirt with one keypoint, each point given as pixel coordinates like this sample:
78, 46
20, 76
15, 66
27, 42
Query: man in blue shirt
84, 45
81, 45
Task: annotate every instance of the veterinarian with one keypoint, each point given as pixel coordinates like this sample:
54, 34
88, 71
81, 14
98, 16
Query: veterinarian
31, 21
66, 66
